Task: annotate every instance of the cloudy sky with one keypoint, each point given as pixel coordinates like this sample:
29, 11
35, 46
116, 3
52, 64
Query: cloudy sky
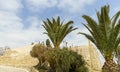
21, 20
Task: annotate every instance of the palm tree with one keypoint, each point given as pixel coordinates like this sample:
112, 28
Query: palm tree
105, 35
57, 30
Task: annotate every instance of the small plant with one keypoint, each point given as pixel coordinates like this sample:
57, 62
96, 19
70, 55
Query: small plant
48, 43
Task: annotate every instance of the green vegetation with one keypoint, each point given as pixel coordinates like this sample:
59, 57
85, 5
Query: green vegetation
57, 30
64, 60
105, 35
58, 60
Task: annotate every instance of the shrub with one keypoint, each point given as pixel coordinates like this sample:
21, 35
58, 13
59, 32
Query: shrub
38, 52
59, 60
64, 60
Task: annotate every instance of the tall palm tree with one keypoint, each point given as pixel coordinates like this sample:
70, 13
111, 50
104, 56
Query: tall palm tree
105, 35
57, 30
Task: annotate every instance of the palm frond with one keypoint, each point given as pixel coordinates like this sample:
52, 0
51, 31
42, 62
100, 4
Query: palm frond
88, 37
115, 18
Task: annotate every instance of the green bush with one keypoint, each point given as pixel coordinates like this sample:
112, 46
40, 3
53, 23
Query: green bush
64, 60
59, 60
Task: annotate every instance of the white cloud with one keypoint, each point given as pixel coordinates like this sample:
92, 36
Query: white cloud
37, 5
9, 22
64, 5
73, 5
10, 5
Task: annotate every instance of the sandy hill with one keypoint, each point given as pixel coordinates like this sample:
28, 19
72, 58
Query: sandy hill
20, 57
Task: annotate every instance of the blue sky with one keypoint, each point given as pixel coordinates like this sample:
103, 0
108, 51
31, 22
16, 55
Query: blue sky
21, 20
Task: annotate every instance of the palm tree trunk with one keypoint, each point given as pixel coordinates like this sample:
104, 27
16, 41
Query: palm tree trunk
110, 66
119, 59
56, 46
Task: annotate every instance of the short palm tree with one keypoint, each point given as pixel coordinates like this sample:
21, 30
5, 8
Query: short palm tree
105, 35
57, 30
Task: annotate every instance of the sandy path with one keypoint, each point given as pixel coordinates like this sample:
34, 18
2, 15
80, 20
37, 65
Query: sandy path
11, 69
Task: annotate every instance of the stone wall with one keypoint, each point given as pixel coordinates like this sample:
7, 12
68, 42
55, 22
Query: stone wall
16, 58
91, 57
